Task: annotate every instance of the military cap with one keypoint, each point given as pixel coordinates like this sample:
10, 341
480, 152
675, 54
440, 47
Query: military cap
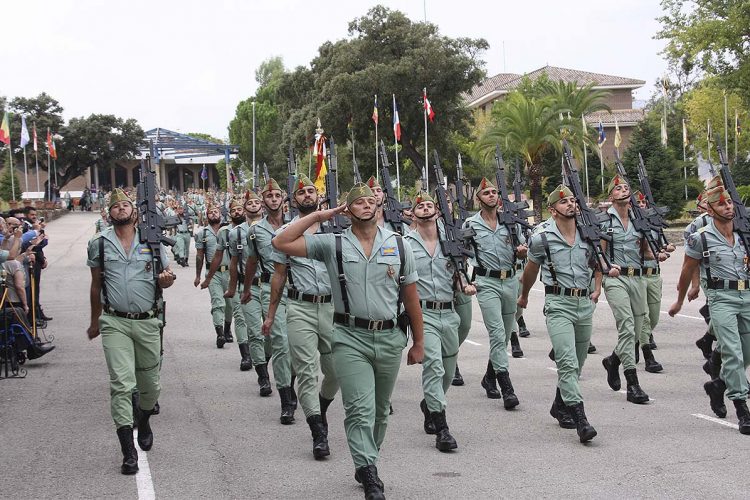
271, 185
359, 190
421, 197
716, 195
558, 194
372, 182
485, 183
616, 181
251, 195
303, 181
715, 181
117, 196
639, 196
234, 204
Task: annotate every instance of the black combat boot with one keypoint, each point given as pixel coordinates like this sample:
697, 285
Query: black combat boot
652, 366
705, 344
367, 476
592, 348
443, 440
560, 412
145, 435
287, 408
515, 346
320, 436
488, 382
651, 342
220, 340
264, 381
743, 415
228, 332
510, 400
715, 389
708, 367
458, 380
324, 404
129, 453
612, 364
429, 425
635, 393
585, 431
715, 363
637, 353
246, 363
522, 330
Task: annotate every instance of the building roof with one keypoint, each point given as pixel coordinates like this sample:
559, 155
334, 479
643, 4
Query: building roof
503, 83
625, 117
170, 145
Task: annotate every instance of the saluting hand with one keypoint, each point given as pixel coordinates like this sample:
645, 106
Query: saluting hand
324, 215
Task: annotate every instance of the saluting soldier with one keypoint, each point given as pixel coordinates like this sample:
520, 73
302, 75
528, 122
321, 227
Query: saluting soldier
377, 279
494, 262
309, 323
572, 287
129, 321
716, 249
435, 286
625, 293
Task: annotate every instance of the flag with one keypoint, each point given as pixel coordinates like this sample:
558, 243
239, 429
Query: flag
602, 136
24, 132
618, 137
232, 178
35, 141
685, 140
428, 107
204, 173
53, 151
396, 121
5, 130
375, 111
320, 152
663, 131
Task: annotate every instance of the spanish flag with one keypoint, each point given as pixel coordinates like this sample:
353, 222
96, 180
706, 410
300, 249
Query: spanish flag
320, 151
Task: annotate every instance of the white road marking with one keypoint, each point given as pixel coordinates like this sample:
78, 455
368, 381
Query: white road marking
716, 420
143, 477
472, 342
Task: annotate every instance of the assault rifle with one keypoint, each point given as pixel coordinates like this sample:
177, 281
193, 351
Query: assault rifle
587, 220
291, 177
639, 216
339, 222
392, 207
517, 195
355, 169
512, 213
741, 221
463, 214
266, 176
453, 245
656, 215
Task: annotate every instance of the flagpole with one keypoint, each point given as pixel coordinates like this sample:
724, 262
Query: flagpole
36, 159
377, 158
586, 170
309, 163
601, 166
708, 138
254, 186
736, 133
684, 156
426, 187
25, 171
354, 155
49, 177
726, 124
12, 176
395, 141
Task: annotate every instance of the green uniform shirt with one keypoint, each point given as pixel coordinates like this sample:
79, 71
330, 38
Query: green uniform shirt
371, 283
652, 263
697, 223
100, 225
134, 269
435, 272
571, 262
309, 276
264, 233
209, 242
727, 262
495, 250
625, 247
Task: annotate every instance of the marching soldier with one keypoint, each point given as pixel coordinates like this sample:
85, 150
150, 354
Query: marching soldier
462, 306
625, 293
102, 223
184, 230
435, 287
572, 289
497, 289
377, 190
309, 323
128, 319
717, 251
377, 278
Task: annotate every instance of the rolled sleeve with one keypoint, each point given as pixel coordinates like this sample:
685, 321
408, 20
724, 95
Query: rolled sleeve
318, 245
694, 247
536, 250
410, 267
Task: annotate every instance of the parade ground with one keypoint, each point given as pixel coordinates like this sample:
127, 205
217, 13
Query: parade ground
217, 438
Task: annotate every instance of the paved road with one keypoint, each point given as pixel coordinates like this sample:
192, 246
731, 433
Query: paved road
217, 438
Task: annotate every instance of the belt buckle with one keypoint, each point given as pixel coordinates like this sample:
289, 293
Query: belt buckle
631, 272
375, 324
741, 285
575, 292
131, 315
317, 299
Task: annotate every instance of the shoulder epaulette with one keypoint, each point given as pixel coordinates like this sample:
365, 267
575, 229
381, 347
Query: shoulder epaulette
702, 229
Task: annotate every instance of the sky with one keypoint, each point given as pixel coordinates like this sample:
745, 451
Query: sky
185, 65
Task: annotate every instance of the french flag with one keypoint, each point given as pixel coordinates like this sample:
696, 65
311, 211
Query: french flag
396, 121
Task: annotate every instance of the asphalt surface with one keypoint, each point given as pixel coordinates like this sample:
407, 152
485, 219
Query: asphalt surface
215, 437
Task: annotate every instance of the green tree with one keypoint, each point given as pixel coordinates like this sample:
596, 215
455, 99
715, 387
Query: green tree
706, 102
206, 137
6, 191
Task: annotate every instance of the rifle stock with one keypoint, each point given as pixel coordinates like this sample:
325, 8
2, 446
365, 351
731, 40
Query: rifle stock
511, 214
741, 222
339, 222
291, 177
392, 207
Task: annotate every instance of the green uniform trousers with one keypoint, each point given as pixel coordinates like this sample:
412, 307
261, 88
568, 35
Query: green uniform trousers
627, 299
730, 319
367, 364
131, 349
222, 310
569, 325
653, 285
440, 351
280, 360
462, 305
181, 247
252, 322
497, 300
310, 333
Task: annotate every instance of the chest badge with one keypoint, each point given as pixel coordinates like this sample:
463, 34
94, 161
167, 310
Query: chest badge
390, 272
148, 267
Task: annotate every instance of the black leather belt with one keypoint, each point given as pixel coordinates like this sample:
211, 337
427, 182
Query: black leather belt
494, 273
144, 315
568, 292
717, 284
630, 271
369, 324
183, 232
307, 297
651, 271
429, 304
